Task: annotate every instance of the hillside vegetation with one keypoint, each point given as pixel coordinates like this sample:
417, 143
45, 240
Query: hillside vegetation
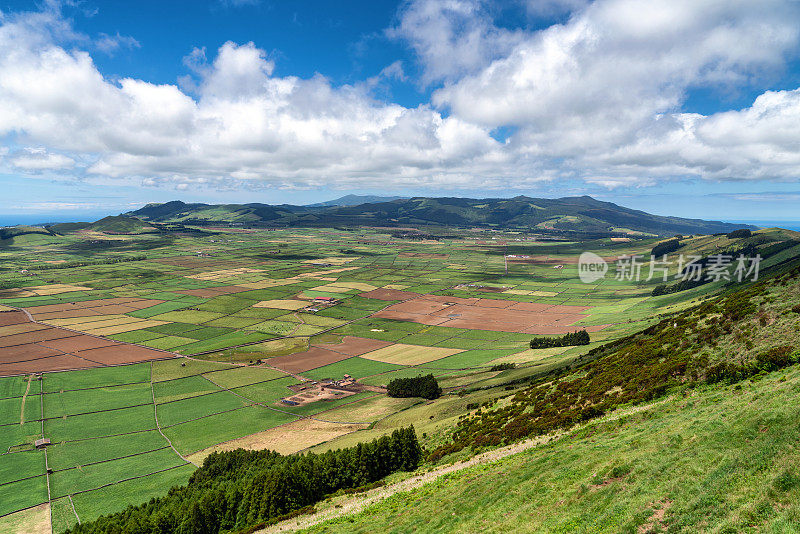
687, 426
579, 215
727, 339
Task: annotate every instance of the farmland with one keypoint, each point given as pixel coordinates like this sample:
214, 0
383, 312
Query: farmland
137, 355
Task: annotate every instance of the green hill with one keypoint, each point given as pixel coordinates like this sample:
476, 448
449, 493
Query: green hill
11, 232
120, 224
687, 426
578, 216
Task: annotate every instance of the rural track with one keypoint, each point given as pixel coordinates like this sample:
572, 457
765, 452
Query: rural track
357, 503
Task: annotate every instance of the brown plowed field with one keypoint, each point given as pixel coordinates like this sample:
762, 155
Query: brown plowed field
74, 343
489, 314
12, 317
354, 346
43, 348
89, 308
307, 360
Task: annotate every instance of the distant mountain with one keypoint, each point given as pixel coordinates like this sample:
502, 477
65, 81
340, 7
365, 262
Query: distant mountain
354, 200
113, 224
570, 215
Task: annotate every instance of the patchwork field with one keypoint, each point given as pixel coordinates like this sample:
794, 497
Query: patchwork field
139, 355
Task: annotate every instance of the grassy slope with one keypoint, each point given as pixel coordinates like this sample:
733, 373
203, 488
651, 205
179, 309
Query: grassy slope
721, 459
717, 458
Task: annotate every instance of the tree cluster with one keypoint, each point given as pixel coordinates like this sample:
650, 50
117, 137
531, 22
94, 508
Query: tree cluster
744, 232
666, 247
569, 339
421, 386
239, 489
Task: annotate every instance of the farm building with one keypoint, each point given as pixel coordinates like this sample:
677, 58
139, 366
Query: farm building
41, 443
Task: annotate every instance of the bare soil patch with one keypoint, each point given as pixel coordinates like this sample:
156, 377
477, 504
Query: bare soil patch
306, 360
32, 337
12, 317
354, 346
121, 353
54, 349
489, 314
76, 343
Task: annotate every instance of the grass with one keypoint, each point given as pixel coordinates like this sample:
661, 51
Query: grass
21, 465
179, 411
90, 477
242, 376
104, 398
18, 435
182, 367
197, 435
182, 388
355, 367
92, 504
23, 494
100, 424
721, 458
13, 386
76, 453
90, 378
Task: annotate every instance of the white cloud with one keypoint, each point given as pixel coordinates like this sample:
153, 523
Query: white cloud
452, 37
38, 160
597, 98
111, 43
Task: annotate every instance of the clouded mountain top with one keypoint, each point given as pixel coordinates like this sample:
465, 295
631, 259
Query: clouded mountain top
584, 215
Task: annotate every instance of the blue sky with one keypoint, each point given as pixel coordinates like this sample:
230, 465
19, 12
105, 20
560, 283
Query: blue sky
675, 107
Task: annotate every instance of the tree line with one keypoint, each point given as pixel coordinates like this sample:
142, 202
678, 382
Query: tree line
238, 489
569, 339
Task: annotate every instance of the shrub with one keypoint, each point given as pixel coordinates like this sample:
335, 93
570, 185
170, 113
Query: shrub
503, 366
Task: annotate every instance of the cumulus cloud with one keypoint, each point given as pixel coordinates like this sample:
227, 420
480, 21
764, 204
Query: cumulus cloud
452, 37
39, 159
597, 98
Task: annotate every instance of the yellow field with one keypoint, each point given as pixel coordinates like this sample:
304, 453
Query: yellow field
285, 439
367, 410
100, 320
334, 260
399, 287
41, 291
34, 520
400, 353
265, 284
109, 330
214, 275
343, 287
281, 304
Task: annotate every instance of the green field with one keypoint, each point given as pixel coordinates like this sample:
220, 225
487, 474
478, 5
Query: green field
106, 450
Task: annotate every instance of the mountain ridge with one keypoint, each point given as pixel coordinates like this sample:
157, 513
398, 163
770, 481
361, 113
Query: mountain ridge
571, 215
